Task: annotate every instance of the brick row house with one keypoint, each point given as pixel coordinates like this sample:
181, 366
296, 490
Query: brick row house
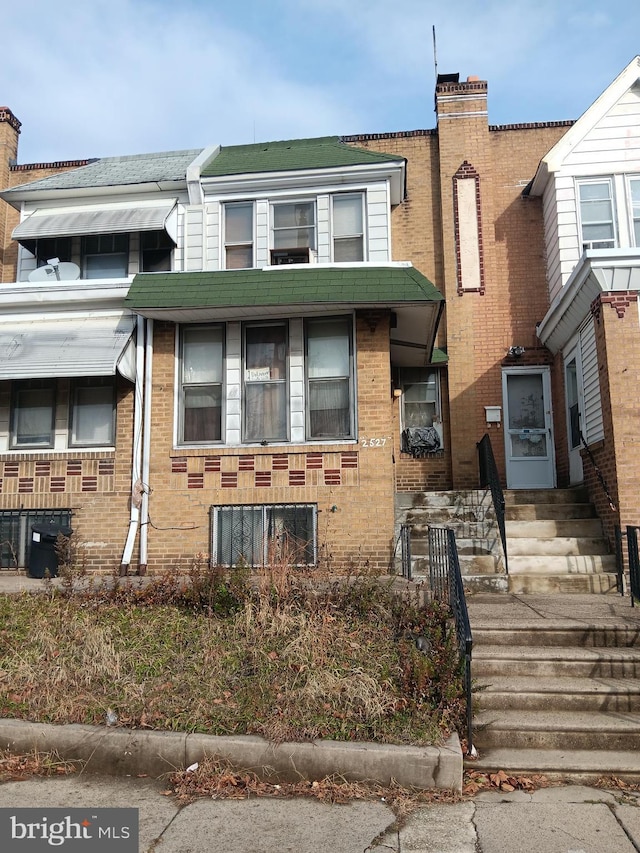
235, 350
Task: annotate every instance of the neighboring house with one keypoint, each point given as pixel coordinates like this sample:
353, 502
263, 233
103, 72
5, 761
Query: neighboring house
285, 385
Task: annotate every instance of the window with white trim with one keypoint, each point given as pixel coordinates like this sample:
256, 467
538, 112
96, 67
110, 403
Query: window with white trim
201, 384
293, 231
238, 235
265, 391
33, 408
246, 388
329, 378
62, 413
105, 256
264, 534
348, 229
634, 200
597, 214
92, 412
156, 251
420, 412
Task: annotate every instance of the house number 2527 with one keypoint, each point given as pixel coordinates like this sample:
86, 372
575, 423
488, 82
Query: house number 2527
373, 442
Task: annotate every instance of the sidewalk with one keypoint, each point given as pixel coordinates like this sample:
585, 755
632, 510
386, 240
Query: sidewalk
569, 819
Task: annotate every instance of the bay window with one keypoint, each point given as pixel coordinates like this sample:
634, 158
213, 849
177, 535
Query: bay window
348, 232
265, 382
201, 385
328, 363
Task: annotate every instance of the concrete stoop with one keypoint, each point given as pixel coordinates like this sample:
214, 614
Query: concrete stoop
559, 699
555, 543
471, 515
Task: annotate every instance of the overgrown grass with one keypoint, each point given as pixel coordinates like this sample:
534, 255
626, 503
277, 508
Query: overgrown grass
287, 656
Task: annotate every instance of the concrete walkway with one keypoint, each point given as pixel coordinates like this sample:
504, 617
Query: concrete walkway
568, 819
518, 610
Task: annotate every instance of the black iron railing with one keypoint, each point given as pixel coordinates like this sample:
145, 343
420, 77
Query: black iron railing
405, 551
445, 580
619, 535
633, 552
489, 478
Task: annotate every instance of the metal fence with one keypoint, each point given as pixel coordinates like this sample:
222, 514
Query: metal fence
490, 478
445, 580
15, 532
633, 552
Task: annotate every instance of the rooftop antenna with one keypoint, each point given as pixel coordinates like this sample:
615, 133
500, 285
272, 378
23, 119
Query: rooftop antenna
435, 53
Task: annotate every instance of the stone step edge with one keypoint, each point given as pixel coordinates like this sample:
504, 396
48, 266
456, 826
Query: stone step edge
558, 763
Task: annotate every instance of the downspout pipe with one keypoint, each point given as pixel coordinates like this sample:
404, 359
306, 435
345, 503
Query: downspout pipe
136, 482
146, 449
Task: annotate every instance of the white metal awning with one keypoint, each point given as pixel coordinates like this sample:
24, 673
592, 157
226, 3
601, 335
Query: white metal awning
73, 346
110, 221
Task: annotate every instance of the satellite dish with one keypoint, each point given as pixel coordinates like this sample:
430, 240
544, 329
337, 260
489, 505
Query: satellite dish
64, 271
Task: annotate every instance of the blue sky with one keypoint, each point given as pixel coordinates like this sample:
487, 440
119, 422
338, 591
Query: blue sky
92, 78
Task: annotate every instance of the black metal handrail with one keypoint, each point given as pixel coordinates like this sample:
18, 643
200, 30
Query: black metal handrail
445, 580
618, 536
490, 478
405, 551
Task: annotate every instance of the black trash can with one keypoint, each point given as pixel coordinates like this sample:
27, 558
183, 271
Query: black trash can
43, 558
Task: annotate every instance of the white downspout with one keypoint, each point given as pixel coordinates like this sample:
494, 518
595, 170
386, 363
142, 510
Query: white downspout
146, 448
136, 494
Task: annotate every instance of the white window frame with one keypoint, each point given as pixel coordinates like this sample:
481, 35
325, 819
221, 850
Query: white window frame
91, 384
338, 238
634, 209
342, 377
595, 244
23, 387
295, 250
104, 240
185, 386
229, 244
252, 378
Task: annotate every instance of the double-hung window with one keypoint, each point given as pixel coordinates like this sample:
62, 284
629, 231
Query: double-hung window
329, 382
265, 398
348, 232
596, 214
634, 198
420, 397
105, 256
92, 412
202, 383
294, 232
238, 235
33, 413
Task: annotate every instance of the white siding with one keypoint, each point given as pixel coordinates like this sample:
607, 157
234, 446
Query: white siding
550, 214
234, 384
323, 229
194, 238
213, 230
592, 428
262, 233
377, 224
296, 380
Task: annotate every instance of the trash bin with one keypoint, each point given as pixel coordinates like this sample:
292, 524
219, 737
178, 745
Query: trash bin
43, 557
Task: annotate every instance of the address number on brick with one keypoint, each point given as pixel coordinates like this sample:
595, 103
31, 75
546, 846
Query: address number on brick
373, 442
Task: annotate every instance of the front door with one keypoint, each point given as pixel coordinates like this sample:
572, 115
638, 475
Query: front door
526, 395
572, 384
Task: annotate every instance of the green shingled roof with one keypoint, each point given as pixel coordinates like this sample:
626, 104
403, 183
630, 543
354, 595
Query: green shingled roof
315, 284
326, 152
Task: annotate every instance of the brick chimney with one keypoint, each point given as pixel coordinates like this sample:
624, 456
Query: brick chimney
9, 133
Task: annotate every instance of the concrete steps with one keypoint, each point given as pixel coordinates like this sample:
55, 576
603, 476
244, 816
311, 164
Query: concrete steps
555, 543
556, 695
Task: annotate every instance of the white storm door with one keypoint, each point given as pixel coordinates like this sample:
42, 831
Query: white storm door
574, 409
528, 428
